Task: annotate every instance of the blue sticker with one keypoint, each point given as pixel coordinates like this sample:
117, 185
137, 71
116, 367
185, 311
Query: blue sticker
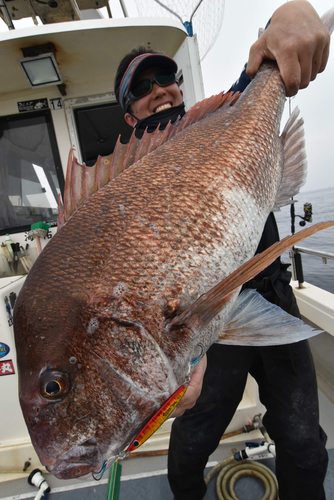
4, 350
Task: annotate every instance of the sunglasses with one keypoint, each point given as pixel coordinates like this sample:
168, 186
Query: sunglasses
144, 87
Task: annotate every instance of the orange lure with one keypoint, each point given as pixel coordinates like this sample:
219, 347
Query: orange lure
158, 419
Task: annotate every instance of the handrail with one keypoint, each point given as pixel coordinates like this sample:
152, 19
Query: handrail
323, 255
296, 261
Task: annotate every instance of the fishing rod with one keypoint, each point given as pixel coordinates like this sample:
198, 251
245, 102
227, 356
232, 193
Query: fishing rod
306, 218
295, 256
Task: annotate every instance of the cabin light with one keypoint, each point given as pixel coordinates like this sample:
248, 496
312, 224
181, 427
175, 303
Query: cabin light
41, 70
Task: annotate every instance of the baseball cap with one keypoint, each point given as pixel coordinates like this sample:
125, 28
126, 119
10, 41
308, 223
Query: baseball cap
139, 64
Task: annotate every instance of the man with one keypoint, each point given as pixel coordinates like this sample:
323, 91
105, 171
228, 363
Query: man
146, 87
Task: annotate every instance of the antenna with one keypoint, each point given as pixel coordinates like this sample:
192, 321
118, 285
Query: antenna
201, 17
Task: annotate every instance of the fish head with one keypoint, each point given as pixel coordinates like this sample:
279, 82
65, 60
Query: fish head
89, 380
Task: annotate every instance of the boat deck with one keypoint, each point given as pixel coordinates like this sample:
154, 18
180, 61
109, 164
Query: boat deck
145, 478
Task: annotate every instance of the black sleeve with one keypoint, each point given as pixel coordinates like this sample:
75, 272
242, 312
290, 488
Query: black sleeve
243, 80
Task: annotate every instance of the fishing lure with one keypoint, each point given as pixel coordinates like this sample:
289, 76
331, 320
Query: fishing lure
152, 425
158, 418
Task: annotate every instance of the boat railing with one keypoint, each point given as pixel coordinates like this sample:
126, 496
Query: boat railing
296, 260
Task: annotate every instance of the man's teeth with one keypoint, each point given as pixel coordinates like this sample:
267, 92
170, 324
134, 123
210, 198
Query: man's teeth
162, 107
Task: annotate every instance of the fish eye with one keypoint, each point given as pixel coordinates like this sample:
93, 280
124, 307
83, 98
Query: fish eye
52, 388
54, 385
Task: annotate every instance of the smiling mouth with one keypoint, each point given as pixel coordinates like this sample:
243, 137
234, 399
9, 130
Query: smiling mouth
162, 107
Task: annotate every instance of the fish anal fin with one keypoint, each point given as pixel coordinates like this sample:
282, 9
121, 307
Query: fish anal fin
207, 107
257, 322
61, 220
73, 193
211, 303
294, 158
82, 181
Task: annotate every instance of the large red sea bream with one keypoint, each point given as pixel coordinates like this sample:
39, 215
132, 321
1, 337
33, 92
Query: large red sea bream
145, 273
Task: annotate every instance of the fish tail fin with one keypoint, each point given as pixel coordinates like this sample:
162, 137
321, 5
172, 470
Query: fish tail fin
293, 142
257, 322
328, 20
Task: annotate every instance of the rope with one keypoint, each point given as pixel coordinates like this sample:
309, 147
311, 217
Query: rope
231, 471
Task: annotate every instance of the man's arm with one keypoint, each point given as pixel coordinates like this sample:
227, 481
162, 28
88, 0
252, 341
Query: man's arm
193, 391
298, 40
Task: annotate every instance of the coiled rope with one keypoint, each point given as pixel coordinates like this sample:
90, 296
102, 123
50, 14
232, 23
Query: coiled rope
231, 471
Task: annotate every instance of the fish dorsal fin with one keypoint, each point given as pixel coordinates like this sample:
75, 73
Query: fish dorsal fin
206, 307
82, 181
294, 157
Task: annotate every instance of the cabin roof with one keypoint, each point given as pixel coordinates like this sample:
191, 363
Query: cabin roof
86, 50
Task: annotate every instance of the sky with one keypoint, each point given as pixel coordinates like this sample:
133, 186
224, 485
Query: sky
224, 62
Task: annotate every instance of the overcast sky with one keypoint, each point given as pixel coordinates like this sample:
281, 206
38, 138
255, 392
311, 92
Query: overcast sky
223, 64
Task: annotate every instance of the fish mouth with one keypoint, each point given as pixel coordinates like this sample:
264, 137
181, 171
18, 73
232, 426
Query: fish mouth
78, 461
72, 471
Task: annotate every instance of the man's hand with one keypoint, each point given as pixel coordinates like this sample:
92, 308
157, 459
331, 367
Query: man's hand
299, 42
193, 390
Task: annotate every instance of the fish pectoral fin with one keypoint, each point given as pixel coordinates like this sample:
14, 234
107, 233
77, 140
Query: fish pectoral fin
257, 322
208, 305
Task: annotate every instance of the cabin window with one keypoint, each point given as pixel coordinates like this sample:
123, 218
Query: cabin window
98, 127
30, 171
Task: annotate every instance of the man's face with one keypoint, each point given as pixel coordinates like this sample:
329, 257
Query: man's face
158, 99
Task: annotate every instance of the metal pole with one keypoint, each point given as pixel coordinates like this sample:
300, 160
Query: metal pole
76, 9
6, 15
108, 8
169, 10
192, 15
125, 12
